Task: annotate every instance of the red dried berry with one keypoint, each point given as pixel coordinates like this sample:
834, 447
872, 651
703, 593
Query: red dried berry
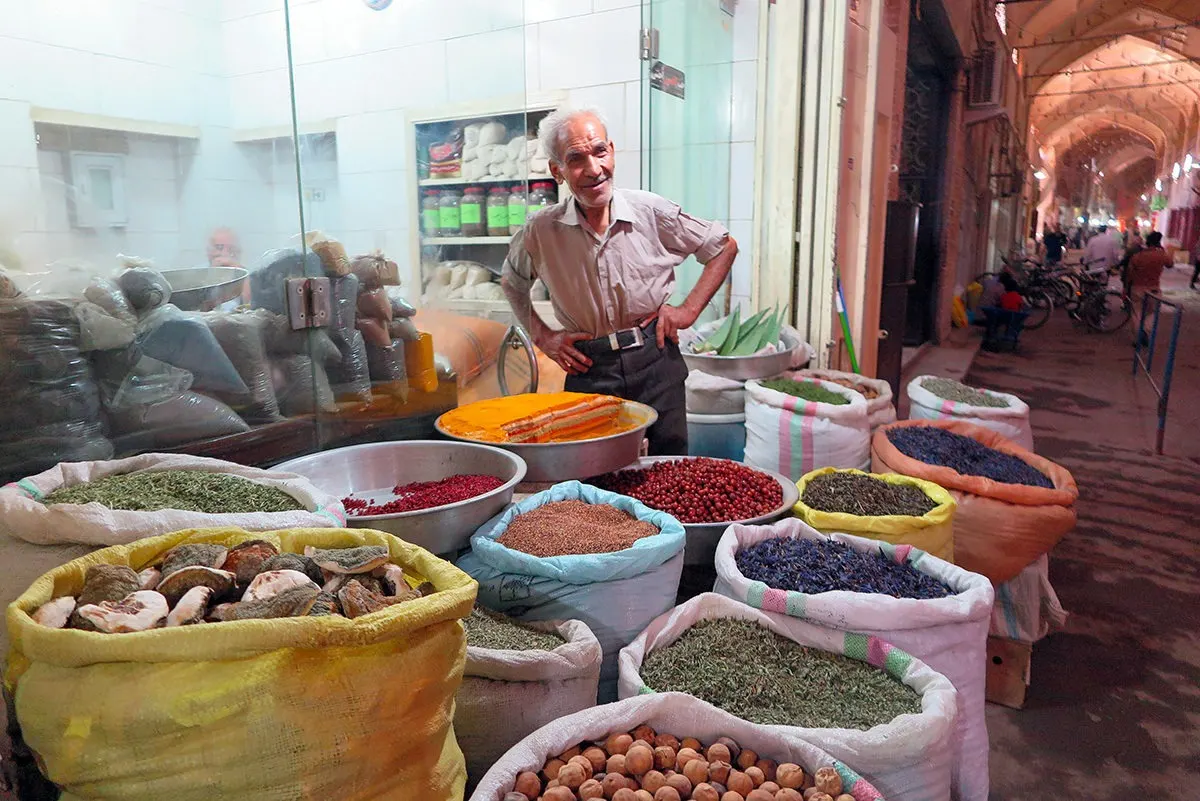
425, 495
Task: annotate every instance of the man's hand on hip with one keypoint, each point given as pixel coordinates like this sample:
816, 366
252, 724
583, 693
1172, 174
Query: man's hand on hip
670, 320
560, 346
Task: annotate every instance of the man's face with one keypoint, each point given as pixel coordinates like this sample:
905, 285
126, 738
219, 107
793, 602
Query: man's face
223, 249
587, 162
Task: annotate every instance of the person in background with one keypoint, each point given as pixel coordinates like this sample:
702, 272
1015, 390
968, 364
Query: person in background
1135, 246
1146, 268
993, 289
608, 258
1054, 242
1103, 252
1011, 300
1195, 274
224, 249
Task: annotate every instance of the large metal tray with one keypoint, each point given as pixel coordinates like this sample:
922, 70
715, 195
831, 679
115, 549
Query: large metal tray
702, 538
744, 368
562, 461
371, 471
205, 288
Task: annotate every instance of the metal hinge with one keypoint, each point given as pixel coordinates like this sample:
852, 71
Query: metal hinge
648, 43
308, 302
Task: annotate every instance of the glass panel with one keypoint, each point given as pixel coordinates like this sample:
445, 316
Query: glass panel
688, 140
100, 181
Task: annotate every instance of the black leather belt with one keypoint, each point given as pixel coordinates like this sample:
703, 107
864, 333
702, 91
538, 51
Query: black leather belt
625, 339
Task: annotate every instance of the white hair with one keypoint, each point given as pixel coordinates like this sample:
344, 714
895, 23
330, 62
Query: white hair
552, 126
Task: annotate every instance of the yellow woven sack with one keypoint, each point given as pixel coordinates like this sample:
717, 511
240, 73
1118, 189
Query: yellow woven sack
933, 532
298, 708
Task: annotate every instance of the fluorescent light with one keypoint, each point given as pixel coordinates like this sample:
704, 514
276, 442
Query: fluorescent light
1145, 197
1112, 221
1175, 171
1187, 163
1081, 219
1158, 184
1040, 175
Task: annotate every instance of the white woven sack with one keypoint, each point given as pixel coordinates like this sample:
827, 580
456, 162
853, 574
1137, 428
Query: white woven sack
615, 594
674, 713
881, 409
948, 634
793, 436
908, 759
710, 394
1011, 421
507, 695
1027, 607
23, 515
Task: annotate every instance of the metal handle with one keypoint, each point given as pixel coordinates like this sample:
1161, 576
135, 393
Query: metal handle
514, 339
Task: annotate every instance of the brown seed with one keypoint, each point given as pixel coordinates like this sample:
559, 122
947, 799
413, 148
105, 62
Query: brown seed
529, 784
756, 775
684, 756
565, 756
690, 742
760, 795
653, 780
643, 795
612, 782
828, 781
730, 795
615, 764
667, 793
790, 794
664, 757
559, 794
571, 775
696, 770
668, 740
768, 767
551, 769
644, 732
844, 797
819, 796
719, 753
618, 744
624, 794
584, 763
740, 783
734, 748
597, 757
705, 792
590, 789
681, 784
719, 771
747, 759
639, 759
770, 787
790, 775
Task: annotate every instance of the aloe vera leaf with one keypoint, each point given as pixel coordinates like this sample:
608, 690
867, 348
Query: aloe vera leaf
731, 335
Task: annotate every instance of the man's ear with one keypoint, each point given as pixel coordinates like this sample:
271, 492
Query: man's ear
556, 172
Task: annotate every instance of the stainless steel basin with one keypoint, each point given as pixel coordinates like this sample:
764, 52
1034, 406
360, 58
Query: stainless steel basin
205, 288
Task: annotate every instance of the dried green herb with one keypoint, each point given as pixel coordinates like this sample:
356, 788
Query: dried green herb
488, 629
867, 496
189, 490
960, 393
808, 390
756, 674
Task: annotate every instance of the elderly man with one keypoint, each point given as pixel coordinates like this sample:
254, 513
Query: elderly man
608, 257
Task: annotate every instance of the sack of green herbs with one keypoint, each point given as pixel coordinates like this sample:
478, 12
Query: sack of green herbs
934, 398
795, 425
118, 501
881, 406
935, 611
855, 696
519, 677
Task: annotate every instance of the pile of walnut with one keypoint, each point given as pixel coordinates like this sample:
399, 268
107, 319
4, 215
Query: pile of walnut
198, 583
645, 766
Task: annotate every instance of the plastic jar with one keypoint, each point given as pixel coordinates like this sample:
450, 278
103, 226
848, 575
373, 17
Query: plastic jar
449, 218
431, 224
471, 212
517, 201
497, 212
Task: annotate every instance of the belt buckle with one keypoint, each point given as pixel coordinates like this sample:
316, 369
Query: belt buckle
614, 339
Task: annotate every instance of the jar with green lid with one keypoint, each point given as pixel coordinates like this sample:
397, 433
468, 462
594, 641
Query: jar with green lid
430, 213
497, 212
449, 218
471, 212
516, 208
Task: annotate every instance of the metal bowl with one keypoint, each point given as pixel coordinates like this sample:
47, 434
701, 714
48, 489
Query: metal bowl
205, 288
562, 461
702, 538
743, 368
371, 471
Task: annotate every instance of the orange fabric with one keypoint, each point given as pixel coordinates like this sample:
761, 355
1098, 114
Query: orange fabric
999, 529
1146, 269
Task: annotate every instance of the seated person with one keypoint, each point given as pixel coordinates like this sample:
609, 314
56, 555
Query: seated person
1010, 299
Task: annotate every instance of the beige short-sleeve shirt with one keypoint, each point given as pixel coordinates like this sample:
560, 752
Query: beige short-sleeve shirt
604, 283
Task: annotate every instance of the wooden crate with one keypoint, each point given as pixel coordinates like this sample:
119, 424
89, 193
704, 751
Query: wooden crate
1007, 671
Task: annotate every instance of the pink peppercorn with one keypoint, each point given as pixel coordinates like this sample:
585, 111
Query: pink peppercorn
425, 495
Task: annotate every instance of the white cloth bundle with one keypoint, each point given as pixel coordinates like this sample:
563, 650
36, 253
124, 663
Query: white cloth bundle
492, 133
471, 135
516, 146
499, 155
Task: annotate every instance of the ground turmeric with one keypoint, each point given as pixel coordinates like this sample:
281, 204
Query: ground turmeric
532, 418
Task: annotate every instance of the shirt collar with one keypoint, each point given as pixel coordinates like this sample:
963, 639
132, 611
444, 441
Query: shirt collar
618, 209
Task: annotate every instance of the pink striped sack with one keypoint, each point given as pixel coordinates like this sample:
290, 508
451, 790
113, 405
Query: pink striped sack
794, 436
1011, 421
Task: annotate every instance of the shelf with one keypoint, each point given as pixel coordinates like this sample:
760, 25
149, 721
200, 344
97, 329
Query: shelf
491, 179
465, 240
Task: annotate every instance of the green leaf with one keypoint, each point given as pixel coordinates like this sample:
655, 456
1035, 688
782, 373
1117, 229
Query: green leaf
730, 329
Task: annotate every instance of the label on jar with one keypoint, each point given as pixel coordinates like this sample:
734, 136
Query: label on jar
430, 220
497, 217
516, 214
472, 213
449, 218
533, 208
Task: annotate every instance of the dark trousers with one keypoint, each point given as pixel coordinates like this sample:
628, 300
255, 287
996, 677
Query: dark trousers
648, 375
1195, 274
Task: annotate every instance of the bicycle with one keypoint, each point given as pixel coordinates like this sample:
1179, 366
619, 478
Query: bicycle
1032, 287
1098, 307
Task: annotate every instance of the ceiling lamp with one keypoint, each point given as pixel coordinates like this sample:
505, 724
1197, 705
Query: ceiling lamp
1175, 171
1040, 175
1187, 163
1158, 184
1145, 197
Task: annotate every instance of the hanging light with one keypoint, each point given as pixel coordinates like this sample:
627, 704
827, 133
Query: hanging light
1187, 163
1040, 175
1145, 197
1175, 171
1158, 184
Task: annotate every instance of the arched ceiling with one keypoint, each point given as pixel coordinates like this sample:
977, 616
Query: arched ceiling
1117, 81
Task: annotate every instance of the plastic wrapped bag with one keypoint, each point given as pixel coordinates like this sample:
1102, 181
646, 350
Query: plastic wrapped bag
331, 252
615, 594
146, 289
302, 387
234, 710
507, 695
949, 634
184, 417
907, 759
388, 373
268, 279
99, 330
242, 335
183, 340
350, 377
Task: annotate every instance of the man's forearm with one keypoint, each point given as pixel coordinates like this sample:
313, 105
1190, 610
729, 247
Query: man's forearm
522, 306
711, 278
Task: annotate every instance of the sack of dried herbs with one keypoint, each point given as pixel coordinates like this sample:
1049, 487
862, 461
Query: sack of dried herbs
807, 673
948, 632
999, 527
898, 509
791, 435
673, 717
616, 593
307, 706
25, 515
881, 407
519, 683
935, 398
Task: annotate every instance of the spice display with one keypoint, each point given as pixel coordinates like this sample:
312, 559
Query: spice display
531, 417
449, 215
240, 585
646, 764
517, 203
488, 629
960, 393
430, 213
560, 528
424, 495
698, 490
807, 390
866, 496
815, 566
497, 212
471, 213
936, 446
737, 337
866, 390
762, 677
189, 490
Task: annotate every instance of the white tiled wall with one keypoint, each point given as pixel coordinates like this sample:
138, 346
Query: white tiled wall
741, 156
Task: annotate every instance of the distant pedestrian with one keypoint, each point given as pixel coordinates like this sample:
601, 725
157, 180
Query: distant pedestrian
1195, 274
1103, 252
1054, 242
1146, 268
